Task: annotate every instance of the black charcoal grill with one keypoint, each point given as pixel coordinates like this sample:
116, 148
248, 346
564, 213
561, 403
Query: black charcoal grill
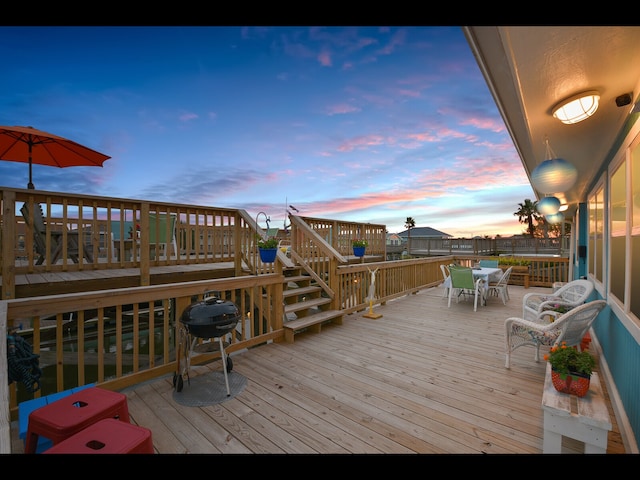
210, 318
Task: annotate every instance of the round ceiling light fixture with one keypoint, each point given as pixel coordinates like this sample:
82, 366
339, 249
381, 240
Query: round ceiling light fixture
577, 108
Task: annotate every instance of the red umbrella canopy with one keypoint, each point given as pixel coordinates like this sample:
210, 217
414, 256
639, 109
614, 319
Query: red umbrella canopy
29, 145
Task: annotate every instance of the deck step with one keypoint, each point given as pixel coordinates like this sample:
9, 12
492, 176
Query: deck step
306, 305
312, 323
291, 292
298, 278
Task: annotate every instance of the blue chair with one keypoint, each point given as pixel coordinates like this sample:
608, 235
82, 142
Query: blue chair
489, 263
120, 230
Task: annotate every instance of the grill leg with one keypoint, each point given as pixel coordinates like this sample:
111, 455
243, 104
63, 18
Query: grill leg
224, 365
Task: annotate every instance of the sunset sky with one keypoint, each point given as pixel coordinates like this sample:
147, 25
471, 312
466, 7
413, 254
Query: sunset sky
367, 124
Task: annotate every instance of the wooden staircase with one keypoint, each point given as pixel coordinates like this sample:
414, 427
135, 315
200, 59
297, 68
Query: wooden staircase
305, 307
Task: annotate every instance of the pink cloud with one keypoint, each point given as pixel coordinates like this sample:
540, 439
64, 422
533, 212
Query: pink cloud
397, 39
362, 141
185, 117
324, 57
341, 109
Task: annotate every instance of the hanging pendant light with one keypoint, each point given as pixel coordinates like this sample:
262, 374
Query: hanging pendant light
548, 206
554, 174
555, 218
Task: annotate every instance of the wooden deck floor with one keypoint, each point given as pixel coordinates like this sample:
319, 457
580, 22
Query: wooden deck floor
423, 378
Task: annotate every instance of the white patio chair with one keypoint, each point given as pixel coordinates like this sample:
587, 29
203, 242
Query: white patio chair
569, 327
501, 287
572, 294
445, 274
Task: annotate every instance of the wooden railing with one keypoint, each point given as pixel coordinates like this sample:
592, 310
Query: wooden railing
340, 234
109, 228
401, 277
513, 246
541, 271
393, 279
120, 337
118, 233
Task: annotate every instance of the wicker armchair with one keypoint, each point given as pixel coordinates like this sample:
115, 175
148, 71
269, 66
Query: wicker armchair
569, 327
570, 295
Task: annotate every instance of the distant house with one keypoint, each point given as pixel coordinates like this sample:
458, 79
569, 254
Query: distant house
424, 232
394, 240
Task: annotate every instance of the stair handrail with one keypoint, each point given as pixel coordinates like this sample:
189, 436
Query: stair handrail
315, 256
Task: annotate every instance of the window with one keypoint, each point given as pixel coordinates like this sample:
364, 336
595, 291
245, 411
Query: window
596, 218
634, 204
623, 219
618, 231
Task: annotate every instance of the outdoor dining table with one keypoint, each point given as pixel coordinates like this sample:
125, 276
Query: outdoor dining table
478, 272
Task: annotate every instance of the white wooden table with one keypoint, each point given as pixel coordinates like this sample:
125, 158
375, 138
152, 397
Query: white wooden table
589, 423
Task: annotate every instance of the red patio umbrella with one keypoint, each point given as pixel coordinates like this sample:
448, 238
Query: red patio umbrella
27, 144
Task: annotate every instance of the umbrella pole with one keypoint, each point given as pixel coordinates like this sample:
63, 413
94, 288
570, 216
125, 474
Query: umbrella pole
30, 185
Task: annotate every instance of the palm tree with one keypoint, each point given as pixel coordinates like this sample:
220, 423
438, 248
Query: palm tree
409, 224
527, 213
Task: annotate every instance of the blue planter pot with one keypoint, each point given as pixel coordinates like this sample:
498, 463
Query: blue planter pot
268, 255
358, 251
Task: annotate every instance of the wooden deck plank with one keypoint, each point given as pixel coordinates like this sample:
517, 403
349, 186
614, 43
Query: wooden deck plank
437, 402
423, 378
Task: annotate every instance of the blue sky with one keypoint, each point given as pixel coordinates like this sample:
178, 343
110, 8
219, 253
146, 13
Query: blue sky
367, 124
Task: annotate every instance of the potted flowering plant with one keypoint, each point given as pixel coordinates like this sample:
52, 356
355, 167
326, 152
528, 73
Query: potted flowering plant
571, 369
267, 243
359, 247
268, 248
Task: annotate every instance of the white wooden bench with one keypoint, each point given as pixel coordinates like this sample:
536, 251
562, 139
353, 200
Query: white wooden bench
590, 424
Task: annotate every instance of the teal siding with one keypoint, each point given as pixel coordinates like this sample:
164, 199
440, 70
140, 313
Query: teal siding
622, 353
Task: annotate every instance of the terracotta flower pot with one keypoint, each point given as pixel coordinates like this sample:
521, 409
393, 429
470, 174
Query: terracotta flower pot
572, 383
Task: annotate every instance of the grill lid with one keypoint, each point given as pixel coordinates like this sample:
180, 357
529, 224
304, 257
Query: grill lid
221, 315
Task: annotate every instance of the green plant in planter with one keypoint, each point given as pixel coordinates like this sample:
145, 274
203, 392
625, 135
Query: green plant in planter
268, 243
560, 308
565, 359
359, 243
513, 261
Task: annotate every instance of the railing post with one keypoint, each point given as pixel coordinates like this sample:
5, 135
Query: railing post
8, 247
145, 250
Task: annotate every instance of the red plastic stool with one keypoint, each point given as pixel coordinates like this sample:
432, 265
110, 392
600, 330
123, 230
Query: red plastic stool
107, 436
65, 417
